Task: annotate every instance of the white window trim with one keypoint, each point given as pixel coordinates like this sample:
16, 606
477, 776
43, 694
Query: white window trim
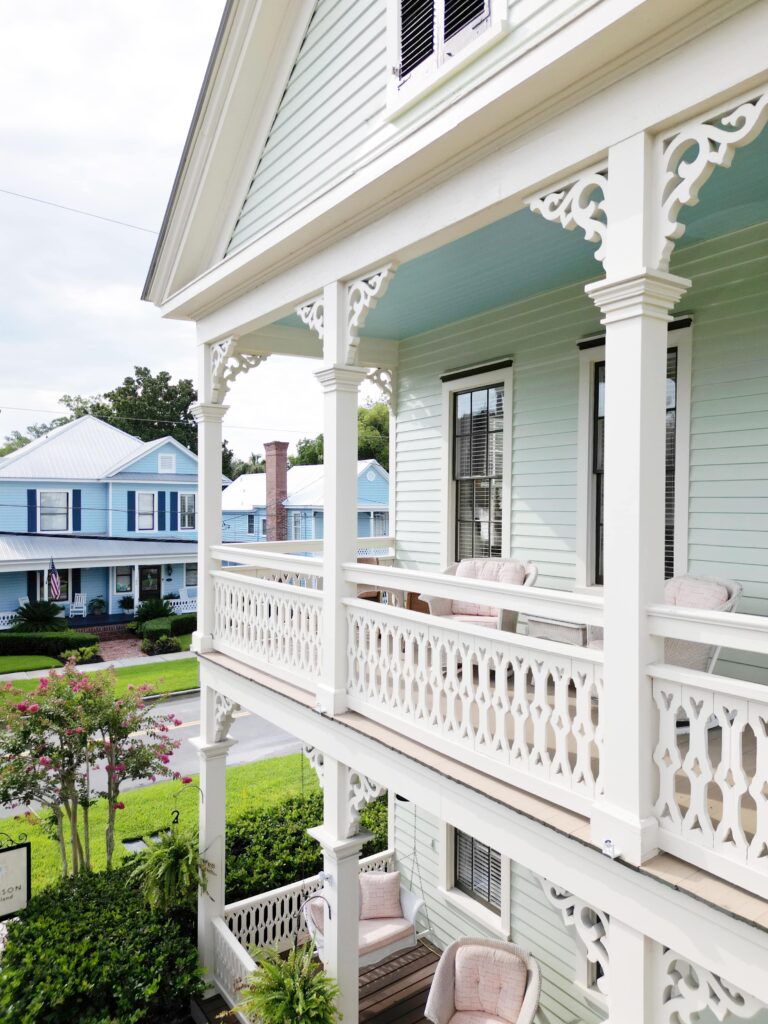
193, 495
296, 517
166, 455
448, 490
139, 529
115, 591
498, 924
54, 490
186, 582
682, 340
431, 74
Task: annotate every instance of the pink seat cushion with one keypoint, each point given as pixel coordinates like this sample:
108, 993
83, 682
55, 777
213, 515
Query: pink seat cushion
689, 592
375, 935
380, 895
490, 570
491, 981
317, 913
475, 1017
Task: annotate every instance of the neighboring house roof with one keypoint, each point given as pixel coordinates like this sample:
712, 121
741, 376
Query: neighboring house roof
29, 551
305, 488
85, 449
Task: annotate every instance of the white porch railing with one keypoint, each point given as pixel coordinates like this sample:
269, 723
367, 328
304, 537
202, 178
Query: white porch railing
179, 607
6, 619
232, 963
712, 751
273, 918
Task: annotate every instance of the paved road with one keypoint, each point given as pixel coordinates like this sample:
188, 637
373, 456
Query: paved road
256, 740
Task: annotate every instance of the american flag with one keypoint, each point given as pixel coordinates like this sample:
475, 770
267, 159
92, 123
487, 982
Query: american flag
54, 583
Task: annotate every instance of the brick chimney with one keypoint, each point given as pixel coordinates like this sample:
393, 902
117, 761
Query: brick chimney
277, 489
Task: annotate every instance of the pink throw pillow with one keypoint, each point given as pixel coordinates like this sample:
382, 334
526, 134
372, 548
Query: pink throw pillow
380, 895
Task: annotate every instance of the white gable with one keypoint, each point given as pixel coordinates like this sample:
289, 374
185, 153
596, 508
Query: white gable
305, 488
85, 449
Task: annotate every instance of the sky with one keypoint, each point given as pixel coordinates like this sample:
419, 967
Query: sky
98, 97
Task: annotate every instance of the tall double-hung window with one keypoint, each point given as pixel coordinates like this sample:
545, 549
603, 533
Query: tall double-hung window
432, 31
478, 466
54, 511
187, 511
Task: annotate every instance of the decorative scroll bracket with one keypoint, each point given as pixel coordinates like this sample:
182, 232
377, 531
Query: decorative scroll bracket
312, 314
362, 296
687, 159
384, 379
360, 789
579, 204
223, 714
227, 362
590, 925
690, 990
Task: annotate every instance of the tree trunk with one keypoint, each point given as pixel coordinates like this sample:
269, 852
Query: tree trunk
60, 838
87, 836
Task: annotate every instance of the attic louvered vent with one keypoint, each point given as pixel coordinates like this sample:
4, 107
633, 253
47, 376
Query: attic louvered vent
437, 29
166, 463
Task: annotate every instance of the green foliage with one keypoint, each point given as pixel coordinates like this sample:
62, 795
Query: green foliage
39, 617
184, 623
163, 645
88, 950
82, 655
97, 605
372, 439
126, 602
171, 871
283, 991
25, 663
269, 847
169, 625
49, 645
154, 608
253, 464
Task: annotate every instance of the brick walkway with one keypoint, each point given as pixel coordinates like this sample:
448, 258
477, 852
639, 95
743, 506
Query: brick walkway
125, 647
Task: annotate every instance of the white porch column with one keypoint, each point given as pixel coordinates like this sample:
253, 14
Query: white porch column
636, 303
209, 425
341, 863
632, 998
213, 745
340, 384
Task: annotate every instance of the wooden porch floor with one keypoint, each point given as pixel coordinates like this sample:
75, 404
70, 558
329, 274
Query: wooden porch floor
392, 992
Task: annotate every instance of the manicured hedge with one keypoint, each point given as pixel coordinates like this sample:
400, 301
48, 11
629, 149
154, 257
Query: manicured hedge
48, 645
269, 847
89, 950
170, 625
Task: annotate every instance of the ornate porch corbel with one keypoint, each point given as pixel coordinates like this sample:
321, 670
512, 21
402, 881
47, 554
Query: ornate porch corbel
312, 314
687, 158
360, 789
590, 925
384, 379
362, 295
579, 204
223, 714
690, 990
227, 362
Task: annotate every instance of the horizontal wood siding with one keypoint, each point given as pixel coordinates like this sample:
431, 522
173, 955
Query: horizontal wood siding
540, 334
535, 924
332, 117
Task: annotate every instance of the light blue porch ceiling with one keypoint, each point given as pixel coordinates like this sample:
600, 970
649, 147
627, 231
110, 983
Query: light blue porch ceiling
523, 255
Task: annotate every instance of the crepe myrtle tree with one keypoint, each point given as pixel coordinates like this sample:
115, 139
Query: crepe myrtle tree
52, 740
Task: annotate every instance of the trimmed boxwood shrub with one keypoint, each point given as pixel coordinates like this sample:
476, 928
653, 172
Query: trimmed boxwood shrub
89, 950
169, 625
184, 623
50, 645
269, 847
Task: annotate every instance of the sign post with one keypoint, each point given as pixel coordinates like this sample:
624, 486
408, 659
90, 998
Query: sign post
15, 876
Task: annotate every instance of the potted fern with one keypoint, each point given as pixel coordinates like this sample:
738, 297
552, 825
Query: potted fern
171, 872
287, 990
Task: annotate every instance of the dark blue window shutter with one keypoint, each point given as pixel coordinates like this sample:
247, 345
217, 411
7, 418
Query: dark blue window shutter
161, 510
32, 584
31, 511
77, 582
77, 505
174, 524
131, 511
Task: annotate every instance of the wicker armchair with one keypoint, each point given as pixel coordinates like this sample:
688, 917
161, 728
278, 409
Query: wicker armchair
484, 977
490, 570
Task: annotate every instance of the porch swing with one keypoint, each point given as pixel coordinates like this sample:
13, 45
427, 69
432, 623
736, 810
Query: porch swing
388, 912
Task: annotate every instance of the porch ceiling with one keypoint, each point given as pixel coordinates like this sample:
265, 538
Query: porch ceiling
523, 255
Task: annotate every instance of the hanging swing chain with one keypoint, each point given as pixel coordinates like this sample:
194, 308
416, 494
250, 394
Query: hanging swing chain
416, 877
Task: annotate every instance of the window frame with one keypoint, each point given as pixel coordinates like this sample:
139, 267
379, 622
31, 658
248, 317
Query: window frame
498, 923
188, 495
139, 513
130, 575
296, 518
680, 337
250, 523
54, 490
186, 574
427, 76
166, 455
469, 381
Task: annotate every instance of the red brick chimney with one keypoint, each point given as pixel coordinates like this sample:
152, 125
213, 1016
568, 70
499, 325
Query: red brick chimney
277, 489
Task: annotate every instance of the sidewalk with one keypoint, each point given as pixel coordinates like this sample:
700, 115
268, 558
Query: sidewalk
116, 663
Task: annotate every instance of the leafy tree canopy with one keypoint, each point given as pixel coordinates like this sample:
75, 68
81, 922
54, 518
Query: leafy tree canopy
372, 438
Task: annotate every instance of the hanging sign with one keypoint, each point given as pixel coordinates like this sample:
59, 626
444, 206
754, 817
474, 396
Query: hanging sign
15, 879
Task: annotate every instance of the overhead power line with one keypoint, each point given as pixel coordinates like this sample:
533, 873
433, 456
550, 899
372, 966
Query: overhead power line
74, 209
152, 419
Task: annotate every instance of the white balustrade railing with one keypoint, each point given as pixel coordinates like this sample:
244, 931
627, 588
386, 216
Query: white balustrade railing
525, 710
7, 619
273, 626
232, 963
179, 606
272, 919
712, 761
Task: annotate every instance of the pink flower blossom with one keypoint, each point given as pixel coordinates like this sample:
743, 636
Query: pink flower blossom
8, 686
164, 758
176, 775
120, 766
33, 708
186, 779
45, 761
119, 805
22, 706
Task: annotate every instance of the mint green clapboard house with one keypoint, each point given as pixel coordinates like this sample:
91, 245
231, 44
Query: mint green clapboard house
541, 229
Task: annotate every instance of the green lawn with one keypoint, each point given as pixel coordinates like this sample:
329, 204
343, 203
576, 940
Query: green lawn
163, 676
25, 663
149, 809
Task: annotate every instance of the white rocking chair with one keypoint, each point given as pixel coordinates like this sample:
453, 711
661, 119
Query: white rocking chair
378, 937
78, 606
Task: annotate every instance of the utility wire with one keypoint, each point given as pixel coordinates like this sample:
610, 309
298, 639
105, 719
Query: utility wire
149, 419
73, 209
